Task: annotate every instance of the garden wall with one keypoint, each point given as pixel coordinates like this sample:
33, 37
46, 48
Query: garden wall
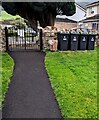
2, 40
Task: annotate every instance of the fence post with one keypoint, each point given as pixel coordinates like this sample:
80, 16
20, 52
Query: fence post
6, 36
25, 37
41, 40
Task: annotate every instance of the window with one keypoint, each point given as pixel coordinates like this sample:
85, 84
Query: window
91, 10
97, 26
94, 26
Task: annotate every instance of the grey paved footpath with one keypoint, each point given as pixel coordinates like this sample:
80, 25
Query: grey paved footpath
30, 94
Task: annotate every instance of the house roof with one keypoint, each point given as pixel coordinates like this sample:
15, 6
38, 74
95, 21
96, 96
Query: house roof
94, 18
82, 5
79, 15
93, 4
65, 20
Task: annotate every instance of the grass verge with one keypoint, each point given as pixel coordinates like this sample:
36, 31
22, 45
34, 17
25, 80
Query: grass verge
6, 69
73, 77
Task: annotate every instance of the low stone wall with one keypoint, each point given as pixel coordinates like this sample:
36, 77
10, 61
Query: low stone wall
49, 38
97, 40
2, 40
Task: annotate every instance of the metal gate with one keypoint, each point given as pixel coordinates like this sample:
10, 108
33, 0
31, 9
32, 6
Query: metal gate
25, 38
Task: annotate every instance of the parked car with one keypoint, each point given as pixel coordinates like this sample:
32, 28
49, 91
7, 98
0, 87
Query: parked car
30, 30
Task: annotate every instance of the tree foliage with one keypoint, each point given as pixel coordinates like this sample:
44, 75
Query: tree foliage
44, 12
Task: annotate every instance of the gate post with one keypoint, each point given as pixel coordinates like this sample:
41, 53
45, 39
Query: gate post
25, 38
41, 40
6, 36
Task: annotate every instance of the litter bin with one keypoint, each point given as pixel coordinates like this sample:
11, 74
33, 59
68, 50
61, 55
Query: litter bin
73, 44
82, 43
91, 41
63, 39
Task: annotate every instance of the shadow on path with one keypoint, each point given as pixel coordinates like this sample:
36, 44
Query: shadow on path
30, 94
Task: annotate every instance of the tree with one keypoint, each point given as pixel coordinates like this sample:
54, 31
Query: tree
44, 12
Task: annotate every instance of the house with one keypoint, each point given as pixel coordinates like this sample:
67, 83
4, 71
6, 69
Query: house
79, 15
65, 23
80, 12
92, 9
92, 16
69, 22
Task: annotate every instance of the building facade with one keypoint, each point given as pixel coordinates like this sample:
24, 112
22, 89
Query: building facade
70, 22
65, 23
92, 9
92, 17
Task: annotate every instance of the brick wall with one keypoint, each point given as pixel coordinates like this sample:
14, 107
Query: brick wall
63, 25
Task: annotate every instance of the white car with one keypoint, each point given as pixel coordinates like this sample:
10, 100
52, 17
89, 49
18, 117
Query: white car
30, 30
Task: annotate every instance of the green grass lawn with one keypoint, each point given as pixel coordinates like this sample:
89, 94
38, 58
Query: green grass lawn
73, 77
6, 69
5, 16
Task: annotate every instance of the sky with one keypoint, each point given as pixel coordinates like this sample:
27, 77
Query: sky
86, 1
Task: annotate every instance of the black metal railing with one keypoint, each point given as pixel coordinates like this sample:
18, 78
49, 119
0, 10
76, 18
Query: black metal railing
23, 39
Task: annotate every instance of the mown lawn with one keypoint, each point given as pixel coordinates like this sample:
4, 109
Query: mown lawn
6, 69
73, 77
